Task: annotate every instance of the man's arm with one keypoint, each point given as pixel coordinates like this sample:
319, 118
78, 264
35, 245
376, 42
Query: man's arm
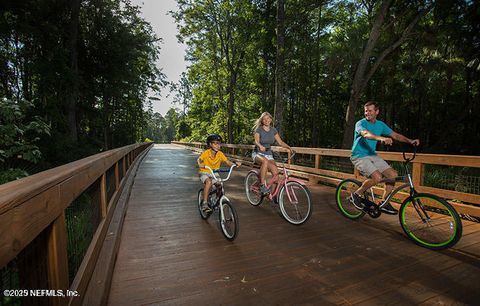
400, 137
369, 135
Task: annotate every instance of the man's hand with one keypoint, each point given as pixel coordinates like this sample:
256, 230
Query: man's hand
238, 163
262, 148
387, 140
415, 142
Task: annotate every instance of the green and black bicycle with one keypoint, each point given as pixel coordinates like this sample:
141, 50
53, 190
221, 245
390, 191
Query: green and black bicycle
428, 220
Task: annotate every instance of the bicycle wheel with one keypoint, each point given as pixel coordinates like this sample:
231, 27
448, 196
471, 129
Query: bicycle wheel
203, 214
430, 221
229, 222
252, 189
344, 202
295, 203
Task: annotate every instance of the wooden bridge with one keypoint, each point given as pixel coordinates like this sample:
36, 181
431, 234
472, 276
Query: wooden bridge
148, 245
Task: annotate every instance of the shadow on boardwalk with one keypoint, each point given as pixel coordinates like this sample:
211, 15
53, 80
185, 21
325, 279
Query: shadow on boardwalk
169, 256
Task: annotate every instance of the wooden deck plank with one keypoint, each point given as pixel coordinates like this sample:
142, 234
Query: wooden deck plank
169, 256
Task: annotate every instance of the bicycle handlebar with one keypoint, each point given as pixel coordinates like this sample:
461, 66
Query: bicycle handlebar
414, 154
221, 171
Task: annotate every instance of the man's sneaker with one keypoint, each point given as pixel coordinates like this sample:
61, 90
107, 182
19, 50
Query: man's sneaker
205, 208
264, 190
388, 209
357, 200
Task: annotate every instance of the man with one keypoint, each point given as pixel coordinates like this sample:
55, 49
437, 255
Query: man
368, 132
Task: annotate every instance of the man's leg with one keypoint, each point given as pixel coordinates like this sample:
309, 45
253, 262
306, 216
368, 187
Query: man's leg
389, 173
374, 179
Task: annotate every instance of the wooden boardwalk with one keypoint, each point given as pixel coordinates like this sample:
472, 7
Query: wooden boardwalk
169, 256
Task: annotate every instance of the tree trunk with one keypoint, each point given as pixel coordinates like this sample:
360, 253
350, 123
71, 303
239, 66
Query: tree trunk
358, 79
279, 67
231, 102
72, 91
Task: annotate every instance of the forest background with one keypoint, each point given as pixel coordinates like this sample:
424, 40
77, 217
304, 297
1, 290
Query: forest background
74, 75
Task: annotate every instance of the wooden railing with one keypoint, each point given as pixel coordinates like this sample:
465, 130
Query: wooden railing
35, 206
317, 175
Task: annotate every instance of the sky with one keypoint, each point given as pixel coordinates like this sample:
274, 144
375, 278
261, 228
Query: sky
171, 60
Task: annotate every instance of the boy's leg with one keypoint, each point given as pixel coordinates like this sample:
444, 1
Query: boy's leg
207, 185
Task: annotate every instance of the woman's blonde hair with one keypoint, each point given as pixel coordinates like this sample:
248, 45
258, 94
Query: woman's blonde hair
258, 122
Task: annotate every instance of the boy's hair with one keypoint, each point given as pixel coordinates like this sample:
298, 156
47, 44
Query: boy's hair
371, 103
258, 122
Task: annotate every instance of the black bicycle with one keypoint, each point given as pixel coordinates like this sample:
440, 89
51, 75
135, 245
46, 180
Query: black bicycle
428, 220
218, 201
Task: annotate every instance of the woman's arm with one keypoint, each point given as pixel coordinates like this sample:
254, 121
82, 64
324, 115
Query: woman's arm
282, 143
257, 142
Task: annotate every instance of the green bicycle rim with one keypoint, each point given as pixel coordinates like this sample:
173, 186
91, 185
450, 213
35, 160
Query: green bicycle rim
426, 243
346, 213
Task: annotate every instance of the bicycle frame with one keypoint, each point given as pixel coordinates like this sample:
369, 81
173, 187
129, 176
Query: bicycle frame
407, 177
219, 185
281, 182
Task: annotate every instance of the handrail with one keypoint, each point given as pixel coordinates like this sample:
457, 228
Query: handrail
37, 203
333, 177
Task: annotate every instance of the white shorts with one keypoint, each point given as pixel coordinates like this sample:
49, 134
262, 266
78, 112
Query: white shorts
369, 164
267, 156
204, 176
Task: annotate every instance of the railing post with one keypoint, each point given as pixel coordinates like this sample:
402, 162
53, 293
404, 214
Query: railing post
289, 156
356, 172
318, 158
418, 173
103, 195
123, 167
117, 178
57, 258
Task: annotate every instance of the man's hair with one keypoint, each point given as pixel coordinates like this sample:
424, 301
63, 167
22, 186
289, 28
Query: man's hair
371, 103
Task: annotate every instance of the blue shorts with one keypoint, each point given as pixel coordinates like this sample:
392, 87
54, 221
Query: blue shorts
266, 156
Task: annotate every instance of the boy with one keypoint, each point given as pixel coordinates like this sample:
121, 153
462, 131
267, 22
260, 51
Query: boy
212, 157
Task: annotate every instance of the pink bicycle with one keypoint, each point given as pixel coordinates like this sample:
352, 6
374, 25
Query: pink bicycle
290, 194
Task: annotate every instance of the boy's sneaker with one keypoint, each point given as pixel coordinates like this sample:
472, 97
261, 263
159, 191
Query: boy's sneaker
357, 201
388, 209
264, 190
205, 207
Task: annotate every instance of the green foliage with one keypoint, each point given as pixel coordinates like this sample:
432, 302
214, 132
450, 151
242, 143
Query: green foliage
19, 136
417, 85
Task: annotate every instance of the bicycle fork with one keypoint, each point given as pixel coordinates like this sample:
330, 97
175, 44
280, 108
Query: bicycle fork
291, 197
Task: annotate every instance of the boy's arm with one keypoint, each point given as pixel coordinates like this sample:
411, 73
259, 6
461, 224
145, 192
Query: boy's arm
230, 163
200, 163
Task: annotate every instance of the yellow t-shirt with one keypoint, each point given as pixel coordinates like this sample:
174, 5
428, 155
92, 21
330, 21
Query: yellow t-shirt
214, 162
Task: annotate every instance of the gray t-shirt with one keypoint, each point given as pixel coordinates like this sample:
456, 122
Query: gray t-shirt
266, 139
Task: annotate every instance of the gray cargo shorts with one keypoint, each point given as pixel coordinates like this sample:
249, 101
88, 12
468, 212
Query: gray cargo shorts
369, 164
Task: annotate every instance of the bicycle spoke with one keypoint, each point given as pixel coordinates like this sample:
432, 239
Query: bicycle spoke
430, 222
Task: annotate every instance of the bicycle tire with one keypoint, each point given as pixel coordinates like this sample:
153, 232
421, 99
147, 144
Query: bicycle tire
252, 189
344, 204
229, 225
203, 214
442, 229
295, 213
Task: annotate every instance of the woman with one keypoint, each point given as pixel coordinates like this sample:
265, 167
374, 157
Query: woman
266, 135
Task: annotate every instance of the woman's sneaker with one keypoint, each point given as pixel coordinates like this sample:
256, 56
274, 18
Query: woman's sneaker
264, 190
388, 209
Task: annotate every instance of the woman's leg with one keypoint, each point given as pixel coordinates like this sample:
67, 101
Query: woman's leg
263, 168
272, 166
